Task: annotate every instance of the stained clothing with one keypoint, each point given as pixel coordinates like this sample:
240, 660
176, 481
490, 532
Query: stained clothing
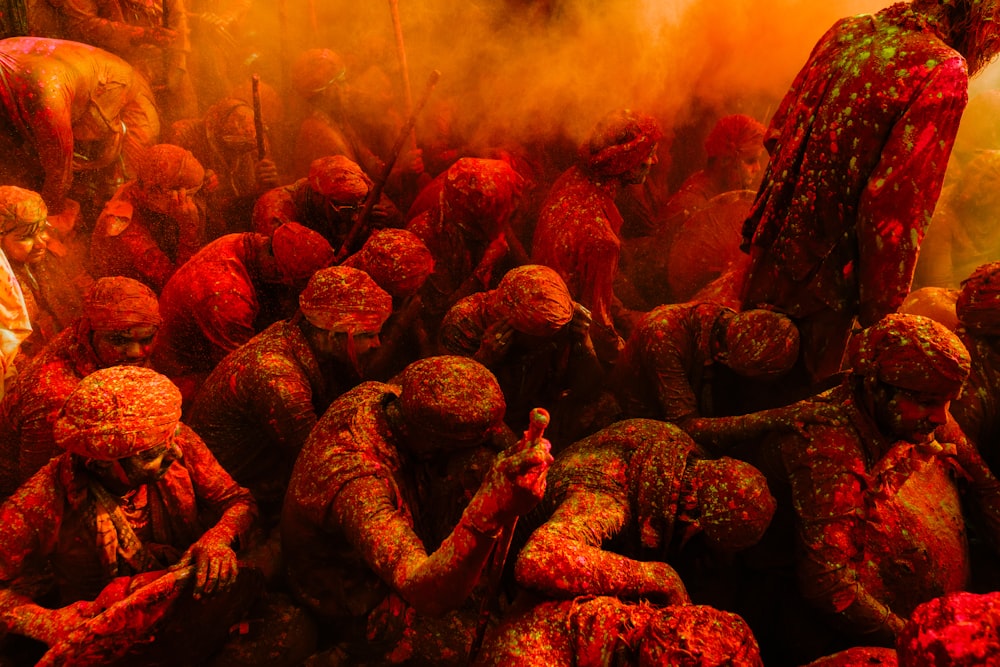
343, 575
58, 515
578, 235
133, 241
15, 321
257, 407
858, 149
879, 524
977, 410
665, 370
46, 87
33, 400
53, 297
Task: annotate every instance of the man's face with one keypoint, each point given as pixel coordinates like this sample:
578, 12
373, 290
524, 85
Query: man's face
746, 170
909, 415
26, 245
638, 174
131, 472
126, 347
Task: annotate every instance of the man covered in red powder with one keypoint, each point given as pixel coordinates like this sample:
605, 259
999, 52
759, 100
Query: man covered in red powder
465, 233
135, 491
684, 363
260, 403
395, 505
859, 148
578, 232
536, 340
230, 291
954, 630
878, 493
154, 223
67, 107
120, 320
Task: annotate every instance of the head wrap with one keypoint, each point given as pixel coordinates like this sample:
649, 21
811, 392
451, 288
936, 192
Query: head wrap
734, 505
978, 305
697, 636
116, 303
396, 259
620, 142
955, 630
534, 299
118, 412
169, 166
299, 252
20, 208
481, 191
734, 135
454, 398
911, 352
230, 122
338, 179
339, 298
760, 342
316, 70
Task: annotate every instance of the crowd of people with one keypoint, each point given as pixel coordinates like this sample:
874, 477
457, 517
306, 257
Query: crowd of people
282, 385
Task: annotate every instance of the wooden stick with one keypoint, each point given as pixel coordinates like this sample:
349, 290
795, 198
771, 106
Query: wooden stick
258, 117
404, 69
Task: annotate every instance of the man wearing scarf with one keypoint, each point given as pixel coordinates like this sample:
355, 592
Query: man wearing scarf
394, 506
120, 320
878, 492
260, 403
858, 152
134, 492
579, 227
231, 290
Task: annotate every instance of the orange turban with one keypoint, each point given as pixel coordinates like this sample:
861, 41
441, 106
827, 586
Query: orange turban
396, 259
299, 252
482, 191
338, 179
911, 352
534, 299
339, 298
20, 208
168, 167
116, 303
620, 142
118, 412
316, 70
978, 305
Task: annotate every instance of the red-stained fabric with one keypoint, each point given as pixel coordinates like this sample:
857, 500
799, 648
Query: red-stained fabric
299, 252
118, 412
342, 299
977, 410
978, 304
760, 342
480, 195
339, 179
535, 300
955, 630
619, 143
858, 156
168, 166
116, 303
396, 259
20, 208
46, 89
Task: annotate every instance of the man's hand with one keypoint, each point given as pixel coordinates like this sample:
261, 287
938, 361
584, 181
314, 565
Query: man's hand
158, 36
513, 486
216, 566
267, 175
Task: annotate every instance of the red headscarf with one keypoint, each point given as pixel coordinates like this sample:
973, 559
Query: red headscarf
735, 135
734, 505
118, 412
299, 252
978, 305
116, 303
169, 166
761, 342
911, 352
338, 179
534, 299
620, 142
481, 191
339, 298
396, 259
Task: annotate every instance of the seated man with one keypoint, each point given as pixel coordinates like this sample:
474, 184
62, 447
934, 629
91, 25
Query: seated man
260, 403
878, 493
154, 223
230, 291
536, 340
623, 501
682, 361
386, 528
120, 320
134, 492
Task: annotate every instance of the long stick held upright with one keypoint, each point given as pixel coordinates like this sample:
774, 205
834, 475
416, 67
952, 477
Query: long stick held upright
397, 26
258, 116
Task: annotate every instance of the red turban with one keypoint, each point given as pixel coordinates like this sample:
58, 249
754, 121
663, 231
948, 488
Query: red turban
316, 70
978, 305
620, 142
396, 259
118, 412
299, 252
734, 503
735, 135
20, 208
482, 191
957, 630
761, 342
697, 636
168, 167
534, 299
911, 352
453, 397
116, 303
338, 179
339, 298
230, 122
